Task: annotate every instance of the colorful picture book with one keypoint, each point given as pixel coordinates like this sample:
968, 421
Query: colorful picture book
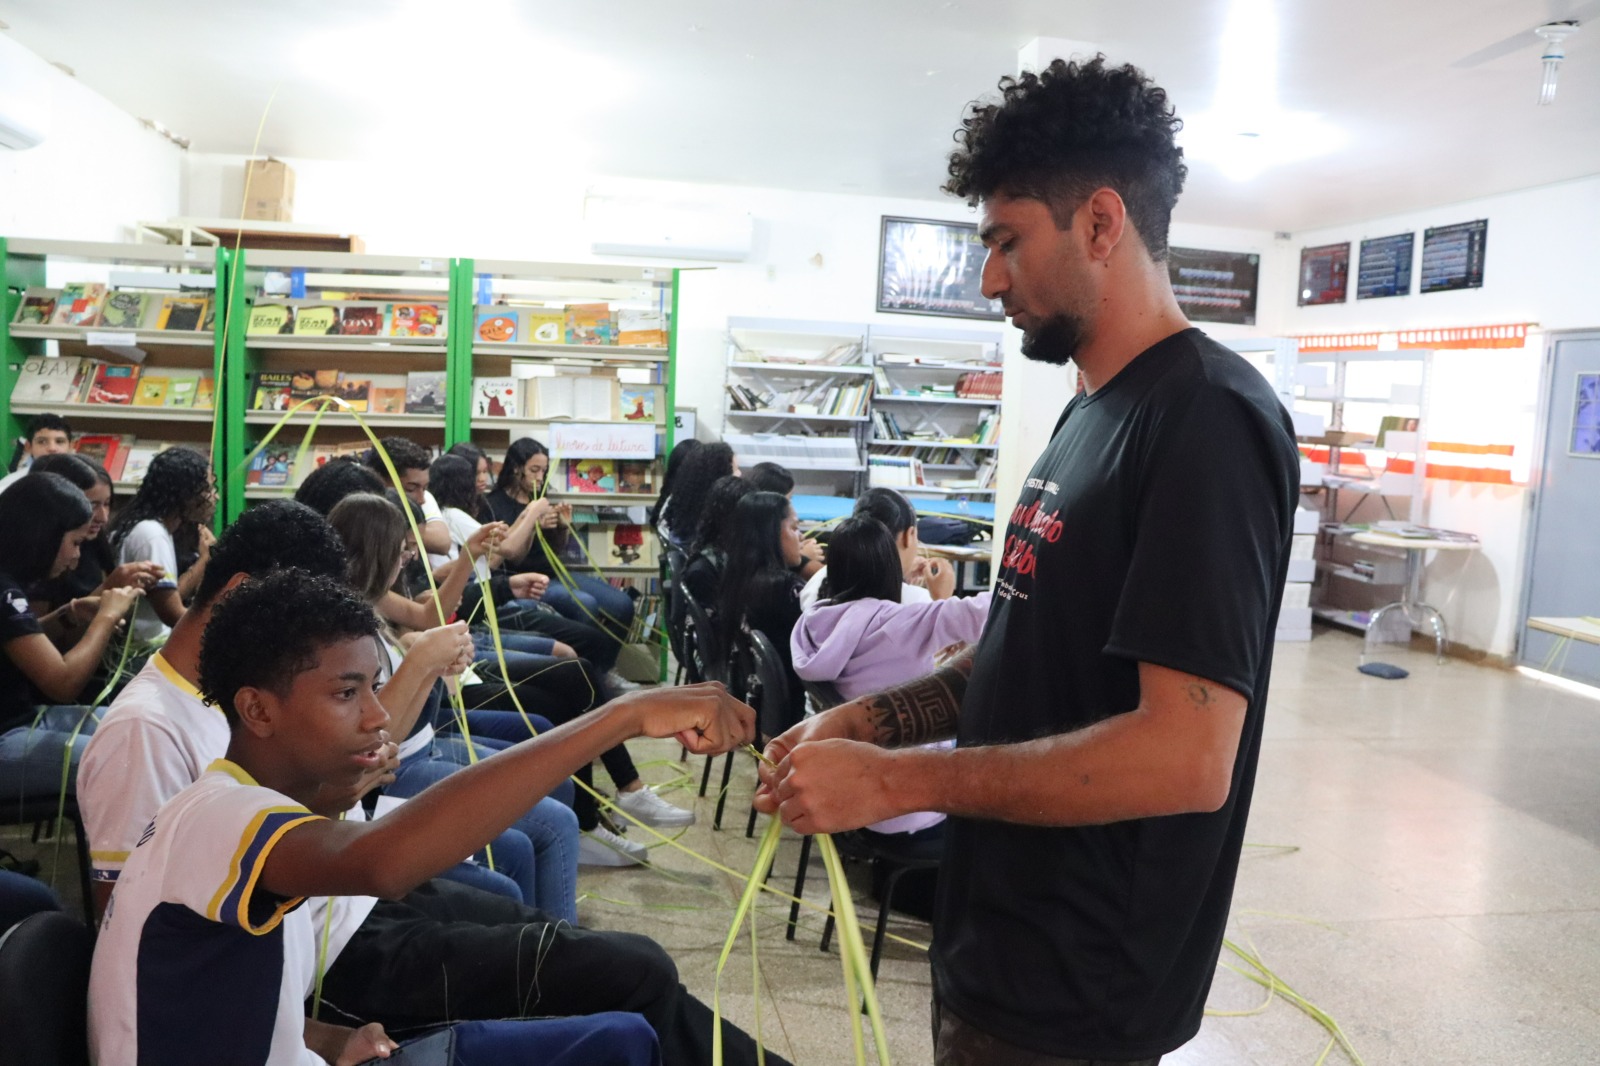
110, 450
205, 392
183, 389
365, 320
151, 390
590, 475
79, 304
386, 394
270, 319
183, 313
271, 466
638, 403
425, 393
591, 324
416, 320
38, 307
636, 476
544, 327
320, 321
641, 329
138, 464
496, 398
353, 391
124, 310
47, 380
272, 392
113, 384
496, 326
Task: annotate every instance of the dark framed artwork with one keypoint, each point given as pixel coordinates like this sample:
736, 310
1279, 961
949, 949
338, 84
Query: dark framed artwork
1215, 286
1385, 268
1452, 256
1324, 274
930, 267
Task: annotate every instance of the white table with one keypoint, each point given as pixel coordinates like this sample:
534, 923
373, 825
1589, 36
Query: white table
1410, 604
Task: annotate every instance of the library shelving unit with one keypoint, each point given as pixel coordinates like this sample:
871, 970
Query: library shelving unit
302, 279
152, 275
918, 413
1374, 406
812, 386
613, 521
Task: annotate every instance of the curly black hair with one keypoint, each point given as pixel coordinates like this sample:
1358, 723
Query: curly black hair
700, 471
334, 480
669, 481
273, 536
454, 483
717, 513
404, 454
1059, 135
177, 477
271, 629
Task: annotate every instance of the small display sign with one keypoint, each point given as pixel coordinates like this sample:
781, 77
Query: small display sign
1385, 268
1215, 286
1452, 256
1324, 274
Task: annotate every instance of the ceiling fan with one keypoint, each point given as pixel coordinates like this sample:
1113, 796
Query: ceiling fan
1565, 17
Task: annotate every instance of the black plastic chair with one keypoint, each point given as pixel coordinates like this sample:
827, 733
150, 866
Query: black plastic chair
708, 661
821, 695
40, 812
895, 858
677, 612
770, 688
44, 991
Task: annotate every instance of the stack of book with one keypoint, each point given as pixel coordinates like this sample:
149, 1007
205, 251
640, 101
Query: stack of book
816, 399
588, 324
91, 304
78, 379
984, 386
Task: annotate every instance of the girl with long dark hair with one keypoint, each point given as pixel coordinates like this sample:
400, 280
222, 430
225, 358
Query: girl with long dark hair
759, 584
680, 512
168, 521
708, 555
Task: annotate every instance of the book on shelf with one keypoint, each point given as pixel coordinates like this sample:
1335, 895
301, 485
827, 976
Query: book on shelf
496, 398
269, 320
355, 391
205, 392
183, 313
38, 306
183, 388
641, 329
894, 471
110, 450
362, 320
636, 476
425, 392
590, 475
316, 321
386, 394
498, 326
271, 466
1395, 424
124, 310
622, 545
138, 463
79, 304
544, 327
974, 385
53, 380
591, 324
988, 431
639, 403
272, 391
417, 320
151, 390
572, 396
304, 384
113, 383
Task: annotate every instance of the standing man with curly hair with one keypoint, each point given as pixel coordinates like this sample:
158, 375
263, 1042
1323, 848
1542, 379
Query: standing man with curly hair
1108, 723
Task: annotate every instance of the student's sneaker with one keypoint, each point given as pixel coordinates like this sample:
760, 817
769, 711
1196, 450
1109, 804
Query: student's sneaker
651, 809
601, 847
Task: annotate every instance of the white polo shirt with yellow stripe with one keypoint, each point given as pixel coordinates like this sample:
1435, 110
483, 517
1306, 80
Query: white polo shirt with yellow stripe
197, 963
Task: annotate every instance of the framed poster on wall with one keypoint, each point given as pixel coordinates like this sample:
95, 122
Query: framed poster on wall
1586, 418
928, 267
1452, 256
1215, 286
1385, 268
1324, 274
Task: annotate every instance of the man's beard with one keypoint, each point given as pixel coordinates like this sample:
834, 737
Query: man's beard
1056, 341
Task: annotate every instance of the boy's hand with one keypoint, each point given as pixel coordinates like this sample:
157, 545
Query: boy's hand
703, 717
444, 649
367, 1042
484, 540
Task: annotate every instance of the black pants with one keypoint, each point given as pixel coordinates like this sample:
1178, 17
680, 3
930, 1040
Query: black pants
957, 1042
447, 952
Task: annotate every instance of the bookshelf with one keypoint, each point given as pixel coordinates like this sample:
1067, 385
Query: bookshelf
799, 393
936, 409
138, 281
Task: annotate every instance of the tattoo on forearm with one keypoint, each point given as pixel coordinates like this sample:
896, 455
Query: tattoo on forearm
923, 710
1199, 694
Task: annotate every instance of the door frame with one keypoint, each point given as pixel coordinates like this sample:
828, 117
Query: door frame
1536, 472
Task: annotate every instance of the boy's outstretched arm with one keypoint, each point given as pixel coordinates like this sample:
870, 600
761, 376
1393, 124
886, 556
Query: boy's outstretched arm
461, 814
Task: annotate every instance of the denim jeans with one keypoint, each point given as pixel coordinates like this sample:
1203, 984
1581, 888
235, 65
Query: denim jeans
30, 756
594, 600
610, 1038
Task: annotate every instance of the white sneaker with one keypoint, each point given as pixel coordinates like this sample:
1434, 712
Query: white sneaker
601, 847
651, 809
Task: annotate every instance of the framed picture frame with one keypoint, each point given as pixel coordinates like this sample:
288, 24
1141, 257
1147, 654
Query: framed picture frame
933, 267
1585, 442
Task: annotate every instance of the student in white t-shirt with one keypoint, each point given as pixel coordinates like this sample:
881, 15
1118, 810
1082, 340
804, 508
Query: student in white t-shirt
292, 662
48, 434
168, 522
410, 461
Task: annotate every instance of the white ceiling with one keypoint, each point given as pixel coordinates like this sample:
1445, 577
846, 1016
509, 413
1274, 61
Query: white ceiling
1435, 98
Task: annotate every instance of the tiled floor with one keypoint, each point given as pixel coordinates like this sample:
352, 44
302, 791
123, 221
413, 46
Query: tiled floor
1425, 867
1441, 900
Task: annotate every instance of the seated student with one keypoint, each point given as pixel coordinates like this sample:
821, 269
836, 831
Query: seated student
65, 604
333, 481
680, 512
373, 532
924, 579
669, 480
411, 462
759, 583
174, 981
168, 521
520, 488
289, 660
770, 477
43, 520
709, 552
482, 469
47, 434
863, 639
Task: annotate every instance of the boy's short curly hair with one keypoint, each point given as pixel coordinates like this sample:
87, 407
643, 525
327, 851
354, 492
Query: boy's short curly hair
1058, 135
273, 536
271, 629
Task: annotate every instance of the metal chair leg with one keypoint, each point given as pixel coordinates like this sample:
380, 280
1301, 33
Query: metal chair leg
705, 776
722, 794
799, 886
750, 825
827, 933
889, 884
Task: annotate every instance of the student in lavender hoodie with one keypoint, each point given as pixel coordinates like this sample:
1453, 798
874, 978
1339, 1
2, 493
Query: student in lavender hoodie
862, 638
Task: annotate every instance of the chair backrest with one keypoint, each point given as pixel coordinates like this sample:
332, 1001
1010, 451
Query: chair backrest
704, 643
44, 991
772, 685
677, 611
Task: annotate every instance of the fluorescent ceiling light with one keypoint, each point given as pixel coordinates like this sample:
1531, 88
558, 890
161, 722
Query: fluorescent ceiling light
1246, 131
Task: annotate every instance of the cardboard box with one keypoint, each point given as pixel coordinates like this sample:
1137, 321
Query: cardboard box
269, 190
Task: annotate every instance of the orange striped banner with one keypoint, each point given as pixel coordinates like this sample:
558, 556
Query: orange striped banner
1338, 342
1511, 335
1492, 472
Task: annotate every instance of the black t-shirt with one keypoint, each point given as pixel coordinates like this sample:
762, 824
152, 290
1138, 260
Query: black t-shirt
1154, 528
16, 620
505, 509
703, 577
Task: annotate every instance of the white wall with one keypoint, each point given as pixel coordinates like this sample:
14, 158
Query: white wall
96, 173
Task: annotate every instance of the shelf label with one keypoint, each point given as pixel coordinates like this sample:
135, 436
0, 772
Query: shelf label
599, 441
101, 339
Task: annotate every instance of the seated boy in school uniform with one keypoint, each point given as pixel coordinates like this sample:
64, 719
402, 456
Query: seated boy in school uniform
206, 955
